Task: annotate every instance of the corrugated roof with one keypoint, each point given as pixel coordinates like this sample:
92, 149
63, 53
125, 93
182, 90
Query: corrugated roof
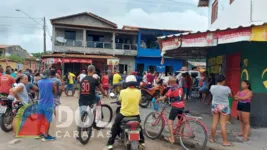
213, 30
78, 56
89, 14
137, 28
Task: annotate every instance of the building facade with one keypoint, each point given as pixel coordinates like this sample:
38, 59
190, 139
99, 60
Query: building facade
86, 33
228, 13
149, 56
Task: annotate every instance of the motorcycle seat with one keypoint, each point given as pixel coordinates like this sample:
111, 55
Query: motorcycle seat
127, 119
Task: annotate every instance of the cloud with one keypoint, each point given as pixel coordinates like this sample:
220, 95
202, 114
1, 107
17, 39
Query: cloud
188, 20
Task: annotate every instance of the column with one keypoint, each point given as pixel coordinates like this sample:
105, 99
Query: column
84, 38
113, 43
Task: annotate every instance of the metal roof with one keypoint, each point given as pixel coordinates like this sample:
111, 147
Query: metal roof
213, 30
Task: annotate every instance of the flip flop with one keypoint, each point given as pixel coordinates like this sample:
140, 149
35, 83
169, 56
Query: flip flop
168, 139
228, 145
212, 141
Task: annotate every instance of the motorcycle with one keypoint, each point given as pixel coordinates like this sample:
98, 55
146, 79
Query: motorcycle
6, 114
149, 93
130, 130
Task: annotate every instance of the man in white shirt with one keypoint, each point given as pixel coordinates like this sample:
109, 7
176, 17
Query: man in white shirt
81, 76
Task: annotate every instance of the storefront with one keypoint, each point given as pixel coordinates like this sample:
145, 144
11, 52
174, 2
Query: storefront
238, 53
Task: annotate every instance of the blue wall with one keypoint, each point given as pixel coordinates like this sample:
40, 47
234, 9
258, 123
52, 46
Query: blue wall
175, 63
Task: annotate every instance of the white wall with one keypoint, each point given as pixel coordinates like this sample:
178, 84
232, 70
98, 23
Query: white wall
238, 13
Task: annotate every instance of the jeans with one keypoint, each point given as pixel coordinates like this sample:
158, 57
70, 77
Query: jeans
115, 130
70, 87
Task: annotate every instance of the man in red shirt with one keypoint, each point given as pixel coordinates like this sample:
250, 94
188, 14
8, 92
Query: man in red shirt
149, 77
6, 82
175, 93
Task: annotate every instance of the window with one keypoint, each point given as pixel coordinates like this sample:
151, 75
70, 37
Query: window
231, 1
214, 14
70, 35
95, 38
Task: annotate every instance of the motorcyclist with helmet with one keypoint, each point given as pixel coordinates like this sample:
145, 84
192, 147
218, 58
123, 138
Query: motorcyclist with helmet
130, 99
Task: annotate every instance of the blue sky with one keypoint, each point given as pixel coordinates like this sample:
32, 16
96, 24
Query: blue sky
164, 14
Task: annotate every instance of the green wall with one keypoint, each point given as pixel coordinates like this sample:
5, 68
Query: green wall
256, 55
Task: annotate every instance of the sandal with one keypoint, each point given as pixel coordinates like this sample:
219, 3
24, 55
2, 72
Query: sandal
168, 139
228, 145
212, 141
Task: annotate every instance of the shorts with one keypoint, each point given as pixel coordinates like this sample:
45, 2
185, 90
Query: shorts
218, 108
245, 107
70, 87
203, 89
45, 113
57, 101
175, 112
106, 88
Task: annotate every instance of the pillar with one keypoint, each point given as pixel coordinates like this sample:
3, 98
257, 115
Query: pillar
113, 42
84, 38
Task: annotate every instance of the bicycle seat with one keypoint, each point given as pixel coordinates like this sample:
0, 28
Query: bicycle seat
127, 119
186, 111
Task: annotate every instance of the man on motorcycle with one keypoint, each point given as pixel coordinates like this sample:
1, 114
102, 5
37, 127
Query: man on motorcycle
175, 94
130, 99
6, 82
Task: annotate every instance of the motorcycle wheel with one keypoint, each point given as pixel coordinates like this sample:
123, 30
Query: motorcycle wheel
144, 102
7, 121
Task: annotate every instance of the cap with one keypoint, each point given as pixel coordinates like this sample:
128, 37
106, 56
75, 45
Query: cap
45, 74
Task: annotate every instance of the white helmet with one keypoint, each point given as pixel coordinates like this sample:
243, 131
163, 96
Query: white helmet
131, 80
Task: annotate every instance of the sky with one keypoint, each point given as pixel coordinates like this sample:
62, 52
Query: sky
17, 29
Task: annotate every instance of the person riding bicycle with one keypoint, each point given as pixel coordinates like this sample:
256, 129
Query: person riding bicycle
130, 99
88, 90
175, 94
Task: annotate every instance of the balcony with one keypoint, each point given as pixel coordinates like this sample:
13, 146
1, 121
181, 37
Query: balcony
126, 46
93, 44
71, 43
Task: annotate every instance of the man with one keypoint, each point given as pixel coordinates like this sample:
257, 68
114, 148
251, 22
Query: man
149, 77
81, 76
59, 89
13, 74
47, 89
71, 78
87, 91
175, 93
6, 82
130, 99
116, 82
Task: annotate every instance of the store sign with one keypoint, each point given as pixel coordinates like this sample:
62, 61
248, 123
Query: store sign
76, 60
232, 36
170, 44
50, 61
199, 40
259, 33
113, 62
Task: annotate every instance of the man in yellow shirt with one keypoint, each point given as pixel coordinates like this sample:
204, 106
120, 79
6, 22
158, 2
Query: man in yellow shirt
71, 78
116, 82
130, 99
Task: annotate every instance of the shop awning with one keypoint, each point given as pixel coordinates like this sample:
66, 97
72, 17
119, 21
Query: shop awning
65, 60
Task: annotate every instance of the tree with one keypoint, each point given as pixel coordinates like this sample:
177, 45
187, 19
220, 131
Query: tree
39, 55
15, 58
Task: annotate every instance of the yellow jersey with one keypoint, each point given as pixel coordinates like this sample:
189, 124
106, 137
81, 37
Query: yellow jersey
116, 78
71, 76
130, 99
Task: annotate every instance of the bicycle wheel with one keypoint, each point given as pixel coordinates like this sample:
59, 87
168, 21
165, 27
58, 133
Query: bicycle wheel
84, 133
154, 125
105, 118
193, 135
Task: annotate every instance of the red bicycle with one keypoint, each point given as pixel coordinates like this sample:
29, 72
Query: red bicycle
190, 130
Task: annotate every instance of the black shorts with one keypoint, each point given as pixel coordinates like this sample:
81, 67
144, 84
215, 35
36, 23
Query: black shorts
245, 107
174, 113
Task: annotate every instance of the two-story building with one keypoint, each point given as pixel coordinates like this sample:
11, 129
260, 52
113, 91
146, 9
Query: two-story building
149, 56
86, 33
234, 45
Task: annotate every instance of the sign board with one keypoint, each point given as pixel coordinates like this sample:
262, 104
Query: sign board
199, 40
232, 36
259, 33
170, 44
76, 60
113, 62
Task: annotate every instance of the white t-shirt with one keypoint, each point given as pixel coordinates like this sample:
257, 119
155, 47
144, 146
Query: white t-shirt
220, 94
82, 75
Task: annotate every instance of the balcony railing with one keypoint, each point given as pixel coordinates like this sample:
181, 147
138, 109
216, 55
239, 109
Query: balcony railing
76, 43
126, 46
93, 44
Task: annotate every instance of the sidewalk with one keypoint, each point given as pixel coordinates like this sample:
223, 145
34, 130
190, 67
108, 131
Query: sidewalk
257, 139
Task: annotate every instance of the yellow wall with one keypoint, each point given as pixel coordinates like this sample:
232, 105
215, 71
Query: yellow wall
12, 64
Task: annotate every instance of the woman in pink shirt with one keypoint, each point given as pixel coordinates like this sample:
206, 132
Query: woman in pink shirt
244, 97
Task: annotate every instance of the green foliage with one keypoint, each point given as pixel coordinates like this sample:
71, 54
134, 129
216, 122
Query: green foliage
39, 55
15, 58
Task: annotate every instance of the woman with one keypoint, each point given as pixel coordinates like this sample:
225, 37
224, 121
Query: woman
187, 85
21, 95
204, 88
244, 97
220, 108
105, 82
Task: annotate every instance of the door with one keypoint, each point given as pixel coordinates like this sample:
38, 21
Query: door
168, 70
140, 68
152, 69
233, 77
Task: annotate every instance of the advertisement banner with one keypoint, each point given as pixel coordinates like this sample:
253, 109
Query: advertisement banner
232, 36
170, 44
76, 60
199, 40
113, 62
259, 33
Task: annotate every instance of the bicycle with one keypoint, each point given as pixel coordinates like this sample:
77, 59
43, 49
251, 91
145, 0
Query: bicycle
85, 115
180, 129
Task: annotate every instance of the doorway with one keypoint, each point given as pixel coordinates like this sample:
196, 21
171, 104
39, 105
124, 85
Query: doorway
123, 67
152, 69
233, 77
168, 69
140, 68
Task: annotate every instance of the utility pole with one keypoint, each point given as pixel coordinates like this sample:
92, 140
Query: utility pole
44, 28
